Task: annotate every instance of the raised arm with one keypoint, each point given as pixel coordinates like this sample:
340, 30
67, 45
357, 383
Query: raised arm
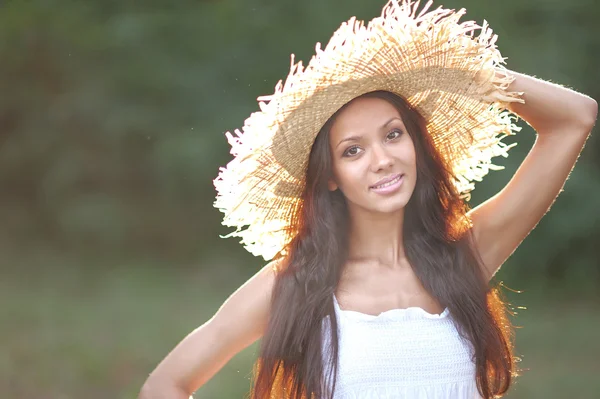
239, 322
563, 120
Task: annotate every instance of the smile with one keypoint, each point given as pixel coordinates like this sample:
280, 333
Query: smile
389, 186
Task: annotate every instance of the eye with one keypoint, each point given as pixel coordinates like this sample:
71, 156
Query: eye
394, 134
351, 151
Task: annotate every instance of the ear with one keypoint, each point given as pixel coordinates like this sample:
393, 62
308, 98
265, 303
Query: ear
331, 185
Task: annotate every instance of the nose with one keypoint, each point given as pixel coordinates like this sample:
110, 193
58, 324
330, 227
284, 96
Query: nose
380, 158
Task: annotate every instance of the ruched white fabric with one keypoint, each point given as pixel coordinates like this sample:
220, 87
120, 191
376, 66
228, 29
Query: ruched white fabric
401, 353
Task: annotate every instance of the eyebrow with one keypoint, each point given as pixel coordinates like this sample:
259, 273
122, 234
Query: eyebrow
357, 138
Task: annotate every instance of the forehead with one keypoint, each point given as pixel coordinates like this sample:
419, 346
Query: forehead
362, 115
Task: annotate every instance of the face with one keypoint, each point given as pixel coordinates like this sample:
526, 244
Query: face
373, 157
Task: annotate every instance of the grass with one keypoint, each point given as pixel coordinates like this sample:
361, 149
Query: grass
97, 334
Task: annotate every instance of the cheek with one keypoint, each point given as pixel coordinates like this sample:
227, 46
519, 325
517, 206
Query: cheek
348, 176
410, 156
413, 160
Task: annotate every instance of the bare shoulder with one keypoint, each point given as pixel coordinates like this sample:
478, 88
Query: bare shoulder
239, 322
250, 304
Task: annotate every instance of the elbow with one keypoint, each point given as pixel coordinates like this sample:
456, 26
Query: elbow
151, 389
591, 114
154, 388
147, 391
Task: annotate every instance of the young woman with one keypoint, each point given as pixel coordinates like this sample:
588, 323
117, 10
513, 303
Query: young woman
353, 179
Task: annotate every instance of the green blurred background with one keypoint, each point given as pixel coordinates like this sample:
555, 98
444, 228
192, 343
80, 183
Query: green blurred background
112, 116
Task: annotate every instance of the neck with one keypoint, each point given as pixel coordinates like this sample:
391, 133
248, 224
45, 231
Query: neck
378, 238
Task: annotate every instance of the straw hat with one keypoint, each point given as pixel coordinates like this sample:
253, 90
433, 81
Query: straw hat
452, 77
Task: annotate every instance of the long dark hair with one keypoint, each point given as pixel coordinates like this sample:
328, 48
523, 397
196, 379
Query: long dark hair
439, 247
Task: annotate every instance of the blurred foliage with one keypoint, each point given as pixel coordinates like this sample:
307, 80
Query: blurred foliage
112, 116
100, 339
113, 112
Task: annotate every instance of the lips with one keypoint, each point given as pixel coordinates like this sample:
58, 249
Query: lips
387, 180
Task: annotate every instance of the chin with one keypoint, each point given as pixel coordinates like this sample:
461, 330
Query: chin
388, 205
392, 208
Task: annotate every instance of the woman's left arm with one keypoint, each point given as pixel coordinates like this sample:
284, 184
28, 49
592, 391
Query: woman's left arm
563, 120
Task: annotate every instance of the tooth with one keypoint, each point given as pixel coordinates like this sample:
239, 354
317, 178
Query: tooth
388, 183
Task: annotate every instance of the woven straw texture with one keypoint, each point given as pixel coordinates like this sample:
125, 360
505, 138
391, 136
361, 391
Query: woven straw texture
450, 71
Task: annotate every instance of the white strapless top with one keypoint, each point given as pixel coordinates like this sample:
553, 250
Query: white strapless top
401, 353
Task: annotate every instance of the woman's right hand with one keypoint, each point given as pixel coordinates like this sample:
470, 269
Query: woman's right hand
239, 322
